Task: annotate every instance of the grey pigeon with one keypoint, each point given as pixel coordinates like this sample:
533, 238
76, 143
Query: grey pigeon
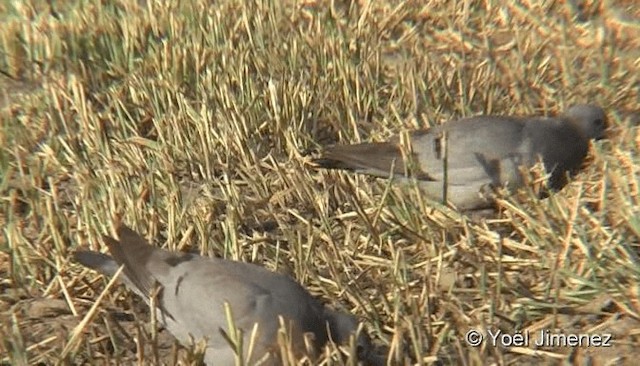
194, 289
480, 154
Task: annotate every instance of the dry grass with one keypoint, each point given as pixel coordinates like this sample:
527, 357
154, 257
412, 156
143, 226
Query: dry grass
191, 121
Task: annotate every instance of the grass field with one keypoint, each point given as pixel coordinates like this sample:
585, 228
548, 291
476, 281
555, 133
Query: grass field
192, 122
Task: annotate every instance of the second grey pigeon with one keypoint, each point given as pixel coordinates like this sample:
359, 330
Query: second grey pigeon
194, 290
479, 154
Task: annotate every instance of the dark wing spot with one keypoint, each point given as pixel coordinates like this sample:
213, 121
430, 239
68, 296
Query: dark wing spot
175, 260
492, 167
178, 283
438, 147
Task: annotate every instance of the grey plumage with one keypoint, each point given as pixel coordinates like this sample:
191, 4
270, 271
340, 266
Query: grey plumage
194, 290
481, 152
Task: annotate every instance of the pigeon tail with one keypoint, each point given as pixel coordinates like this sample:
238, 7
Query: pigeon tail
377, 159
97, 261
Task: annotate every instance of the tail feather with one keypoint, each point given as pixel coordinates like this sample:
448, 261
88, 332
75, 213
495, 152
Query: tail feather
378, 159
133, 251
97, 261
379, 156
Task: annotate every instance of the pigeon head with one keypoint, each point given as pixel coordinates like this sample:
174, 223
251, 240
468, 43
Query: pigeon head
590, 119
